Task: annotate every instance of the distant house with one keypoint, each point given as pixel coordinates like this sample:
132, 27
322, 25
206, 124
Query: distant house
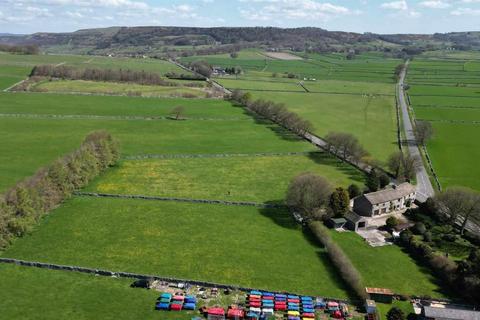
385, 201
355, 221
446, 313
218, 71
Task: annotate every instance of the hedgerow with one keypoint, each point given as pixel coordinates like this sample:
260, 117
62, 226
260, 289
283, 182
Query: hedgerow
25, 203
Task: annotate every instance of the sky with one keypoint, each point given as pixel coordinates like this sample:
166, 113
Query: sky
378, 16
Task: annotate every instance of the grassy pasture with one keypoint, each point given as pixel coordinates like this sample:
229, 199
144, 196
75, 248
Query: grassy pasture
63, 104
437, 113
98, 87
260, 85
9, 75
387, 267
453, 111
355, 87
267, 178
454, 151
30, 293
446, 101
422, 90
84, 61
371, 119
29, 143
374, 69
243, 245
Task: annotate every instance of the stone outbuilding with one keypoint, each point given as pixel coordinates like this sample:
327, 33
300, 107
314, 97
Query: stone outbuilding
395, 198
355, 221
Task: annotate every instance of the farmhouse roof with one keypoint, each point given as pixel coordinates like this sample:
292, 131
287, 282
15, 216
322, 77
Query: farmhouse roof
450, 313
382, 291
390, 194
353, 217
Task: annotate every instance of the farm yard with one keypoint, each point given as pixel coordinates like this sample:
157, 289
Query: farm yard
446, 92
214, 150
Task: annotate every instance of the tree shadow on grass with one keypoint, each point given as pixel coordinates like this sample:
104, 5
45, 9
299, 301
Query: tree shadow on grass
324, 158
443, 287
280, 216
332, 273
278, 130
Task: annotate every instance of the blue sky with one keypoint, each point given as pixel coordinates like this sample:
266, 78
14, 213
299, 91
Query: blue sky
379, 16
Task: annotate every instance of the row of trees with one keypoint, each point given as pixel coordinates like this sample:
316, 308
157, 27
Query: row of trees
345, 146
26, 49
94, 74
201, 67
276, 112
402, 166
24, 204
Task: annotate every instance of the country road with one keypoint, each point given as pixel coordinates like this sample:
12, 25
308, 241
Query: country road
424, 186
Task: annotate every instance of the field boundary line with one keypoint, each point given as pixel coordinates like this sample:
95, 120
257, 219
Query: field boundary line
131, 275
443, 106
451, 121
100, 117
175, 199
14, 85
319, 92
219, 155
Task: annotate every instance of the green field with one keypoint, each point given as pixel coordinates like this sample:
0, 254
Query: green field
454, 112
387, 267
97, 87
354, 96
139, 64
267, 179
30, 293
327, 67
237, 245
454, 151
30, 142
9, 75
372, 119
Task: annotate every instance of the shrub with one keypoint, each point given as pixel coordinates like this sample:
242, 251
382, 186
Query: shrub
427, 236
383, 180
419, 228
339, 201
373, 182
395, 314
354, 191
391, 222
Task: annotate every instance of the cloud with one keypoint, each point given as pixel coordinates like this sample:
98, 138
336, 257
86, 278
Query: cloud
292, 9
395, 5
435, 4
466, 12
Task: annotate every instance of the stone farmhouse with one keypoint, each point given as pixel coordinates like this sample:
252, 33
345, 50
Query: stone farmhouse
395, 198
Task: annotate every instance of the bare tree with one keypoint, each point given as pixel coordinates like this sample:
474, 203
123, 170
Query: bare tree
345, 145
424, 131
307, 193
178, 111
458, 203
402, 165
